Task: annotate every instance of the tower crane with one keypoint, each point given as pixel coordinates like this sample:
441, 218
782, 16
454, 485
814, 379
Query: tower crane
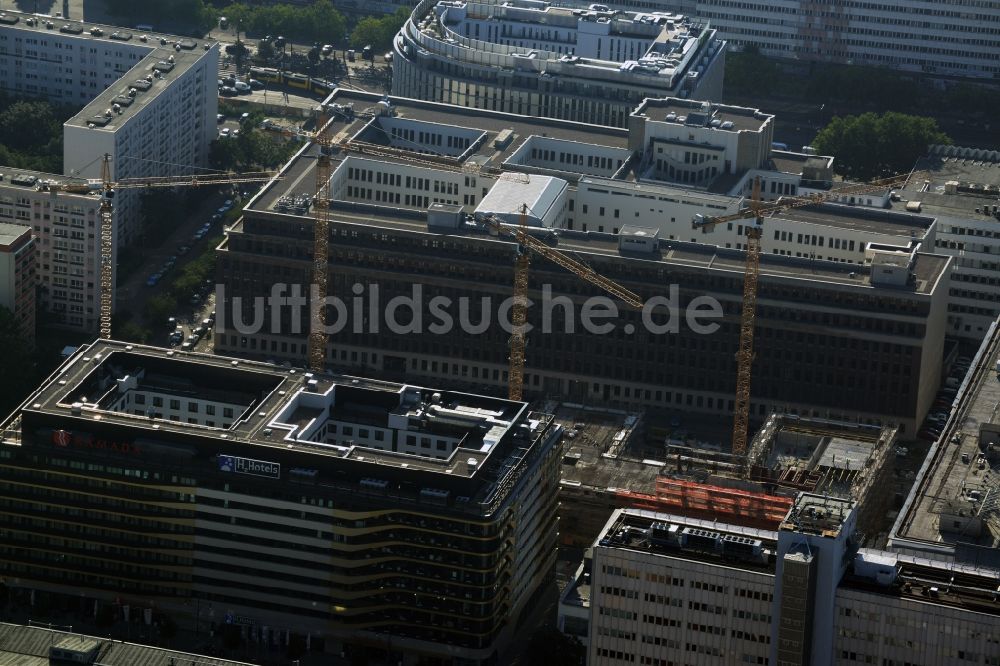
321, 243
321, 232
107, 189
526, 243
751, 274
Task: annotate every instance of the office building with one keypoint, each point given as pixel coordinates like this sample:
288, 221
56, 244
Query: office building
664, 589
18, 276
533, 58
348, 513
960, 187
960, 38
65, 229
952, 512
385, 231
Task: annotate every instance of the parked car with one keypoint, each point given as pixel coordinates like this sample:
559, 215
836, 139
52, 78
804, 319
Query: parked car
242, 87
255, 84
183, 249
195, 299
216, 217
172, 323
244, 117
187, 346
327, 49
224, 132
220, 117
228, 91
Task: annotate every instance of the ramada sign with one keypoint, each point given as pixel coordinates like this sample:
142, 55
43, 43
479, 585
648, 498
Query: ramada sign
67, 439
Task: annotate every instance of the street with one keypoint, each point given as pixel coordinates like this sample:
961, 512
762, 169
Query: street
133, 292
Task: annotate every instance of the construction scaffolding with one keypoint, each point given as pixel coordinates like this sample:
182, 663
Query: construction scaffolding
711, 502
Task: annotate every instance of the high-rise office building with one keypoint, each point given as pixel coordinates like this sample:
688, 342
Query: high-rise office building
354, 514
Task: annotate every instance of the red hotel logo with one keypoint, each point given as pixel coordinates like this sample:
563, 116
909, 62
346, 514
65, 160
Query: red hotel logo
64, 438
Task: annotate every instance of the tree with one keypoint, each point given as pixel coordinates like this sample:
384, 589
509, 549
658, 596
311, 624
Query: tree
379, 32
873, 146
265, 51
159, 309
550, 647
749, 72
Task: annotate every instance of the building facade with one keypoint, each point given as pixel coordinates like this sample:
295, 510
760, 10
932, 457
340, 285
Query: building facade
958, 38
65, 227
662, 589
148, 101
536, 59
355, 515
18, 275
818, 318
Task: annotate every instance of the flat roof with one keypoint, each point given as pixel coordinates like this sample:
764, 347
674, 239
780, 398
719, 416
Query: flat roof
628, 529
9, 174
11, 232
277, 404
861, 219
742, 118
925, 580
29, 646
160, 47
298, 177
591, 458
120, 91
959, 478
939, 171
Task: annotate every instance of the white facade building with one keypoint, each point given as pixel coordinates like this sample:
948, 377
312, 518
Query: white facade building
532, 58
148, 102
66, 231
954, 38
666, 590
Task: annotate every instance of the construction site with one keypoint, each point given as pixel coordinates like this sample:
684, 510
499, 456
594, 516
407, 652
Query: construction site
788, 455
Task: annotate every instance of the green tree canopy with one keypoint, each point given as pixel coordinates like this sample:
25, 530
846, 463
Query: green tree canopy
379, 31
750, 73
873, 146
317, 22
192, 13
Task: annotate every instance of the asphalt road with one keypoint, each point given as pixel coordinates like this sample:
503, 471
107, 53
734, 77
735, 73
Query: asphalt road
133, 293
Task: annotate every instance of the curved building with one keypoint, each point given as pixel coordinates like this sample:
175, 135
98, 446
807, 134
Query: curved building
528, 57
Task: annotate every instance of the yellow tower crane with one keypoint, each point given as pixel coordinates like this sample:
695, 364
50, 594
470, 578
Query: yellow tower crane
526, 243
321, 244
107, 189
758, 210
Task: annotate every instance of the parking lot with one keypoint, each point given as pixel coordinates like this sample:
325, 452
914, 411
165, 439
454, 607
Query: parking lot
940, 410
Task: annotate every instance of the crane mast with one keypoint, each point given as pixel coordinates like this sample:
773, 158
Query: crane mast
751, 276
748, 315
107, 189
519, 313
321, 247
526, 242
107, 249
